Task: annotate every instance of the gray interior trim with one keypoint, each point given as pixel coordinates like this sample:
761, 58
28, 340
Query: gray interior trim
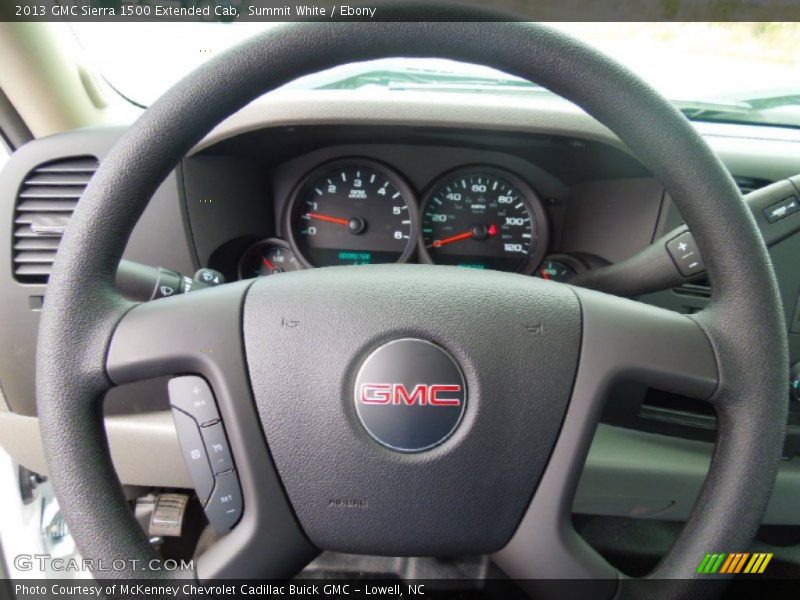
636, 474
332, 107
13, 129
647, 467
144, 447
162, 220
751, 150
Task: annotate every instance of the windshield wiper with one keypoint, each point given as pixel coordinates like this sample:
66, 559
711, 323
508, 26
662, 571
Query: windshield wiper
700, 109
750, 109
429, 80
775, 100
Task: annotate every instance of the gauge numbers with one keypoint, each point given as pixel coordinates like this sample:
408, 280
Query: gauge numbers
353, 212
483, 218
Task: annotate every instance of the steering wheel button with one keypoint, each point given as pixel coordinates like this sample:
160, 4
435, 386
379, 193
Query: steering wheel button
224, 508
194, 454
219, 453
685, 254
192, 395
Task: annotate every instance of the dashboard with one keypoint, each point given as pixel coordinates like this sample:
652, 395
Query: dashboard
355, 211
304, 181
411, 195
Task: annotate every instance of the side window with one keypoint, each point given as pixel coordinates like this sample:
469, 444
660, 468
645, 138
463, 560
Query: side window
5, 152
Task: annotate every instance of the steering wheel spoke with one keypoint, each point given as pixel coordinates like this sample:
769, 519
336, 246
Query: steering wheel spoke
622, 340
187, 333
201, 334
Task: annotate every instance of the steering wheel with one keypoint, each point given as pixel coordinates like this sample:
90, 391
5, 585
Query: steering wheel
535, 358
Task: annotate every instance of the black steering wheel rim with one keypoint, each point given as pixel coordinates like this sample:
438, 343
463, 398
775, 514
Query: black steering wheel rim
744, 322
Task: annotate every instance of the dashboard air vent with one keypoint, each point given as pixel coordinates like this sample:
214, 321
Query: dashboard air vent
45, 202
750, 184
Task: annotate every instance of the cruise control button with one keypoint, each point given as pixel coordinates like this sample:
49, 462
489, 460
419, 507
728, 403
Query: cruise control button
194, 454
685, 254
219, 453
192, 395
224, 508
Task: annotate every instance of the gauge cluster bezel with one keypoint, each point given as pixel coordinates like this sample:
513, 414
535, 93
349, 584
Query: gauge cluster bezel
416, 190
529, 198
301, 188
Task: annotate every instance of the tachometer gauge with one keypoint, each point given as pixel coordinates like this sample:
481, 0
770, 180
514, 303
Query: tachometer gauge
352, 212
483, 218
267, 257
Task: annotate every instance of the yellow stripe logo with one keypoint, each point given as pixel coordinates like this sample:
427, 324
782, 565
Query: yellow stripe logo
734, 563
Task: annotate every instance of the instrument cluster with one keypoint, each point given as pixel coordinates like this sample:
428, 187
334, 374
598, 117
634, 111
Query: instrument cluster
355, 211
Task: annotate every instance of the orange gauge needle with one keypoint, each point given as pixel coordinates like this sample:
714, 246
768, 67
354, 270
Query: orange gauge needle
336, 220
268, 264
490, 231
455, 238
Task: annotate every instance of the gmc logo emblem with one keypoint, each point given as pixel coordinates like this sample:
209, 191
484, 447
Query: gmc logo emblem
398, 394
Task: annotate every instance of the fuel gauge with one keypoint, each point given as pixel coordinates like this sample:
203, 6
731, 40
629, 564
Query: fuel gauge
267, 257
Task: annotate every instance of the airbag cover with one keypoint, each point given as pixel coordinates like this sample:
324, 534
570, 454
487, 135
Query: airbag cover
516, 339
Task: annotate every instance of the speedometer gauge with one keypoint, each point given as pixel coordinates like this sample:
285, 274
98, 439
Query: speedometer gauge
483, 218
352, 212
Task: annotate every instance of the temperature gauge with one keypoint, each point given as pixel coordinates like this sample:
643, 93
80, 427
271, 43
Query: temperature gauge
267, 257
555, 270
560, 267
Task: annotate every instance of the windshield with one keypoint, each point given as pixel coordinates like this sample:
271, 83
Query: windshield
733, 72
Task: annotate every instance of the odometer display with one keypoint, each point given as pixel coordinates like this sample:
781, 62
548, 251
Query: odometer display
484, 218
352, 212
